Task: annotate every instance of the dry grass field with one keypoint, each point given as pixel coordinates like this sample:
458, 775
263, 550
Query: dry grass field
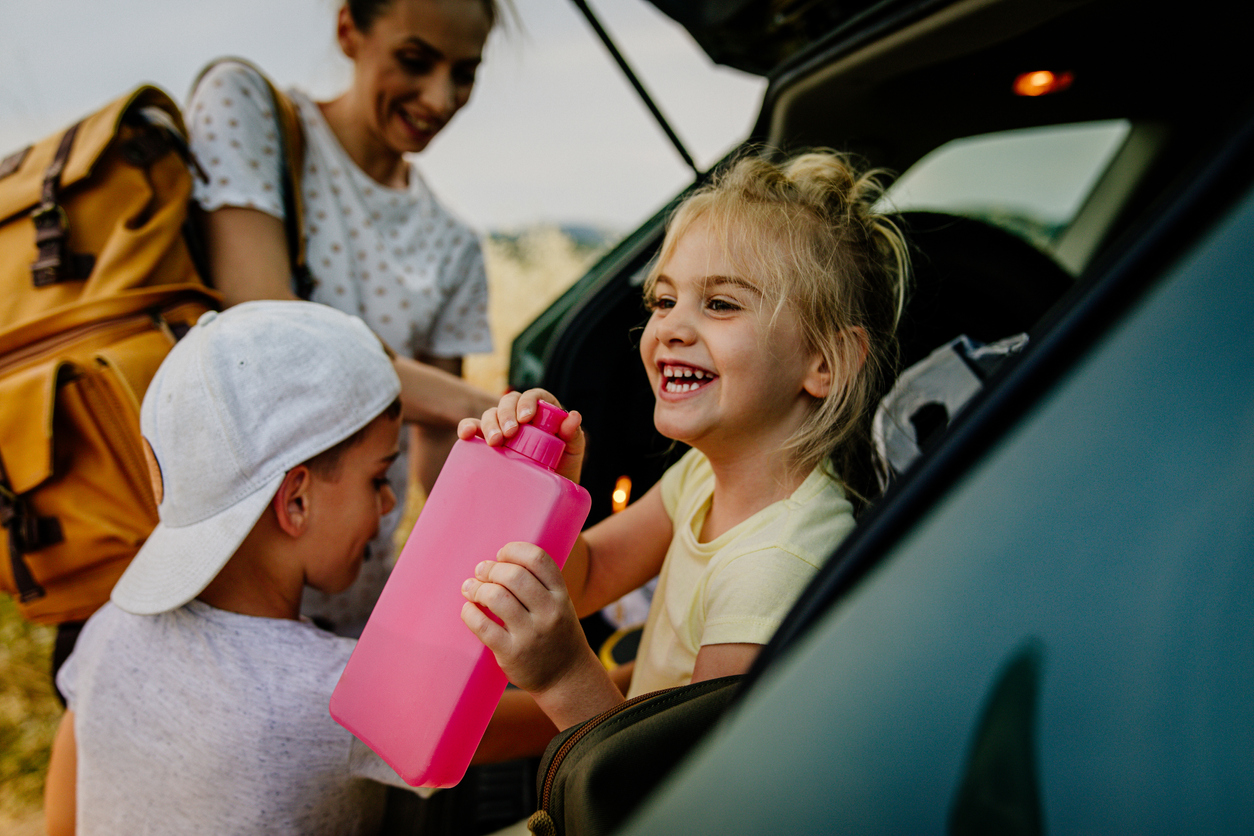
525, 274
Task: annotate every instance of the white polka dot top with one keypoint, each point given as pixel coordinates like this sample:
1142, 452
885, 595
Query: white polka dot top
396, 258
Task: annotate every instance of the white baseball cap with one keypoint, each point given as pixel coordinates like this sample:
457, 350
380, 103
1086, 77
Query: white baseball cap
243, 398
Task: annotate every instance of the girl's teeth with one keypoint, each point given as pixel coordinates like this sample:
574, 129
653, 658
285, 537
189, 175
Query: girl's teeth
675, 374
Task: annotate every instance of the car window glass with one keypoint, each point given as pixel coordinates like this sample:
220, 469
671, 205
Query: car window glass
1031, 182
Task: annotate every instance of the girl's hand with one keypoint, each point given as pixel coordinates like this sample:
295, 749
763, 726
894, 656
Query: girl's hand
539, 642
516, 408
539, 639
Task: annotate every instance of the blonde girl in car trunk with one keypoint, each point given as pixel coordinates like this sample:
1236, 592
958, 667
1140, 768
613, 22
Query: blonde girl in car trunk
774, 305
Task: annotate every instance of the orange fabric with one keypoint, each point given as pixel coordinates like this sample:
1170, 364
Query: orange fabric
76, 356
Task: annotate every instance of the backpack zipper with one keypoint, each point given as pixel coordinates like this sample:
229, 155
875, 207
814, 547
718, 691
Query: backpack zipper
51, 345
551, 773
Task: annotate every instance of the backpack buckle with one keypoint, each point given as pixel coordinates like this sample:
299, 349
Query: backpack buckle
27, 533
54, 262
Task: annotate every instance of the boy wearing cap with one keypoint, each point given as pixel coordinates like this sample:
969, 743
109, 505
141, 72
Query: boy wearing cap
197, 697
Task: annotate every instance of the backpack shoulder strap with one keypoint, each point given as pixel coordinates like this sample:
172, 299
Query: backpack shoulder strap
292, 137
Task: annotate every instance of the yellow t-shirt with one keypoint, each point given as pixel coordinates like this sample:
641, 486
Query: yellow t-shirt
739, 586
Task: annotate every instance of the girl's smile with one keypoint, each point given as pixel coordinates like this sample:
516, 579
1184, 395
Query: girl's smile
680, 379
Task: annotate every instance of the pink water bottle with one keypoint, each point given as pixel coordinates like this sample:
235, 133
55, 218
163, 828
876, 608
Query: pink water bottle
420, 688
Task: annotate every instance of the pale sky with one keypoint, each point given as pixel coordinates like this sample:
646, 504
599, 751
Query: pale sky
553, 133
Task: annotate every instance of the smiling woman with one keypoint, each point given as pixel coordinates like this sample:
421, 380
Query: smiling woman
379, 244
415, 65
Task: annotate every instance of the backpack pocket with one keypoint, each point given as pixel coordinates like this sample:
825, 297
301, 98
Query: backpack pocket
79, 502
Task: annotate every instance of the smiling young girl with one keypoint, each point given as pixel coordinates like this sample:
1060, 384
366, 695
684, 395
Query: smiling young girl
774, 305
379, 243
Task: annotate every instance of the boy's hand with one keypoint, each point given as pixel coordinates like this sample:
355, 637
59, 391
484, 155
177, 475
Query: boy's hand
539, 642
517, 408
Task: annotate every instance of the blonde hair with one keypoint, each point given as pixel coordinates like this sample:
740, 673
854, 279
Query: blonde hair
806, 230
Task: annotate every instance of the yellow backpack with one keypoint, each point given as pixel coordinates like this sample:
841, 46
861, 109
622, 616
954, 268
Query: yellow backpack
97, 281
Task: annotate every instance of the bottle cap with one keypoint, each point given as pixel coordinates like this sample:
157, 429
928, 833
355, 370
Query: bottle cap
538, 439
548, 417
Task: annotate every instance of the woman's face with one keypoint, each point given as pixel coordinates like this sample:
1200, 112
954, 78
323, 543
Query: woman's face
415, 66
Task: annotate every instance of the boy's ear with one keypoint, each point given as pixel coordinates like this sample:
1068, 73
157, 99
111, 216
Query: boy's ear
292, 501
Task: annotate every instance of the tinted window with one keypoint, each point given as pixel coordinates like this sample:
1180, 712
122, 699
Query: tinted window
1032, 182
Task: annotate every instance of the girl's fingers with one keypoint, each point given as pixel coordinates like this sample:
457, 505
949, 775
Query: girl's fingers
570, 426
507, 413
570, 433
497, 598
467, 428
535, 561
493, 635
522, 584
516, 408
527, 403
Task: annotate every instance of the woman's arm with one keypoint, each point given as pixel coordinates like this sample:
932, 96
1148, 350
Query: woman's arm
60, 789
247, 252
432, 443
432, 397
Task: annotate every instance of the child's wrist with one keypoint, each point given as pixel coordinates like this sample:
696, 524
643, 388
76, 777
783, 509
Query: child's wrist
581, 693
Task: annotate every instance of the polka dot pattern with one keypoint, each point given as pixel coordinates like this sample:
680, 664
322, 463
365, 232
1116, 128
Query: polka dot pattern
395, 257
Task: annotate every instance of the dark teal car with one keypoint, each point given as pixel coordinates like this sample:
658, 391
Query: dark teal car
1047, 622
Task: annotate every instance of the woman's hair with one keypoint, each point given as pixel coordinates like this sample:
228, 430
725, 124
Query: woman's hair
365, 12
806, 230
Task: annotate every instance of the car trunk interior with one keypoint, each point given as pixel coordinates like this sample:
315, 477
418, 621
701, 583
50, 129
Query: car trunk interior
906, 80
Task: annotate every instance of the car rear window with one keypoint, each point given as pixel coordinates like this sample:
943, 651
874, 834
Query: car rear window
1032, 182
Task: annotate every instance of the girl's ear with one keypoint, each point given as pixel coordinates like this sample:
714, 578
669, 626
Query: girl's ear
346, 33
818, 380
292, 501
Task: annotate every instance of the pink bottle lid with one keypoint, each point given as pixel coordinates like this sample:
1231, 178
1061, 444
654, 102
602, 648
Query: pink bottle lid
538, 439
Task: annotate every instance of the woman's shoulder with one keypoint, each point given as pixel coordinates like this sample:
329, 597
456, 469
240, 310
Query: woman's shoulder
232, 85
441, 216
229, 72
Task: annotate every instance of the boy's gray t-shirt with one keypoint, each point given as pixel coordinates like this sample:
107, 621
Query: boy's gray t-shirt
206, 721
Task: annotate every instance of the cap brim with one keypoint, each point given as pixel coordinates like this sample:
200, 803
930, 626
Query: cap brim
176, 564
